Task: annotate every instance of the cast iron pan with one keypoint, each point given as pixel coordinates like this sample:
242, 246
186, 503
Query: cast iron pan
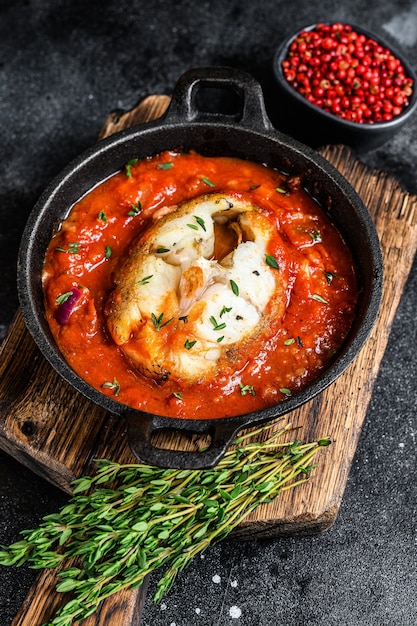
245, 132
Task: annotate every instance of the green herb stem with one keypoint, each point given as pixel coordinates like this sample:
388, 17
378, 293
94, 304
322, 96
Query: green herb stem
130, 519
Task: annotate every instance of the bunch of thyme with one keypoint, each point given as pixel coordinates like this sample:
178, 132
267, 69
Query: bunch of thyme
128, 520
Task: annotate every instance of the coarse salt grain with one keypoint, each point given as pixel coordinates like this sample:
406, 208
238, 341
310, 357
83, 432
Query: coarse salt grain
235, 612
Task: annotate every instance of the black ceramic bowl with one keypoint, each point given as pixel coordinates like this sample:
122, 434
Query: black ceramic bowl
310, 123
245, 133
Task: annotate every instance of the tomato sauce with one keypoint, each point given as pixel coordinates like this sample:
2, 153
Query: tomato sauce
94, 239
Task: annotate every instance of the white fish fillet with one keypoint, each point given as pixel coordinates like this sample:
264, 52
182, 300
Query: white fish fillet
176, 310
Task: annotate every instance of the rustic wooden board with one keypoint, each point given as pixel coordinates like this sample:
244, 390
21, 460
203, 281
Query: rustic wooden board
50, 428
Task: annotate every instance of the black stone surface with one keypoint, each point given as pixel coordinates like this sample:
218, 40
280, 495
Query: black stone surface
63, 67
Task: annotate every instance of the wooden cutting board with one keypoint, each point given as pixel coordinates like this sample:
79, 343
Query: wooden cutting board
57, 433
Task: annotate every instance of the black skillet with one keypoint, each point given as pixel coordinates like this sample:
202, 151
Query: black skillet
246, 132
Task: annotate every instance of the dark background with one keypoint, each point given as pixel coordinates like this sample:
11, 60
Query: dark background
63, 67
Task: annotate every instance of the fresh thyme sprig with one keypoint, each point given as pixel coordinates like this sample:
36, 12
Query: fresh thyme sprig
128, 520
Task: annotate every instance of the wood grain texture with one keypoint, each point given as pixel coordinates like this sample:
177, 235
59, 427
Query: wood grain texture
57, 433
41, 604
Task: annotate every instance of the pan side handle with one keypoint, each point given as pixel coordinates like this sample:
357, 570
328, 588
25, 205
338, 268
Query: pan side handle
142, 427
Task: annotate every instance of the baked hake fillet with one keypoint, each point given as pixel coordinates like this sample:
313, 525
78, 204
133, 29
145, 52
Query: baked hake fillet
196, 294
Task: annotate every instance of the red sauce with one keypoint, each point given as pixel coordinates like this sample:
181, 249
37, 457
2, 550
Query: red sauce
97, 234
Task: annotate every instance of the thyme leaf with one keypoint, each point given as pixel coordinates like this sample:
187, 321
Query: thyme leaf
234, 287
245, 389
216, 325
63, 297
315, 235
115, 386
128, 167
271, 261
135, 210
329, 276
200, 222
73, 248
207, 181
157, 321
145, 280
318, 298
225, 310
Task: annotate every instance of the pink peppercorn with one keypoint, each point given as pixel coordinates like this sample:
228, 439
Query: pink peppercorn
348, 74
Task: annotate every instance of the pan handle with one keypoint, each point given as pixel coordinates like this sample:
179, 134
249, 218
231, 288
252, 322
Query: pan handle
142, 427
250, 110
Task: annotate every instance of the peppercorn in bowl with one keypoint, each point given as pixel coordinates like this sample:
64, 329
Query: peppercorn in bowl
339, 83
